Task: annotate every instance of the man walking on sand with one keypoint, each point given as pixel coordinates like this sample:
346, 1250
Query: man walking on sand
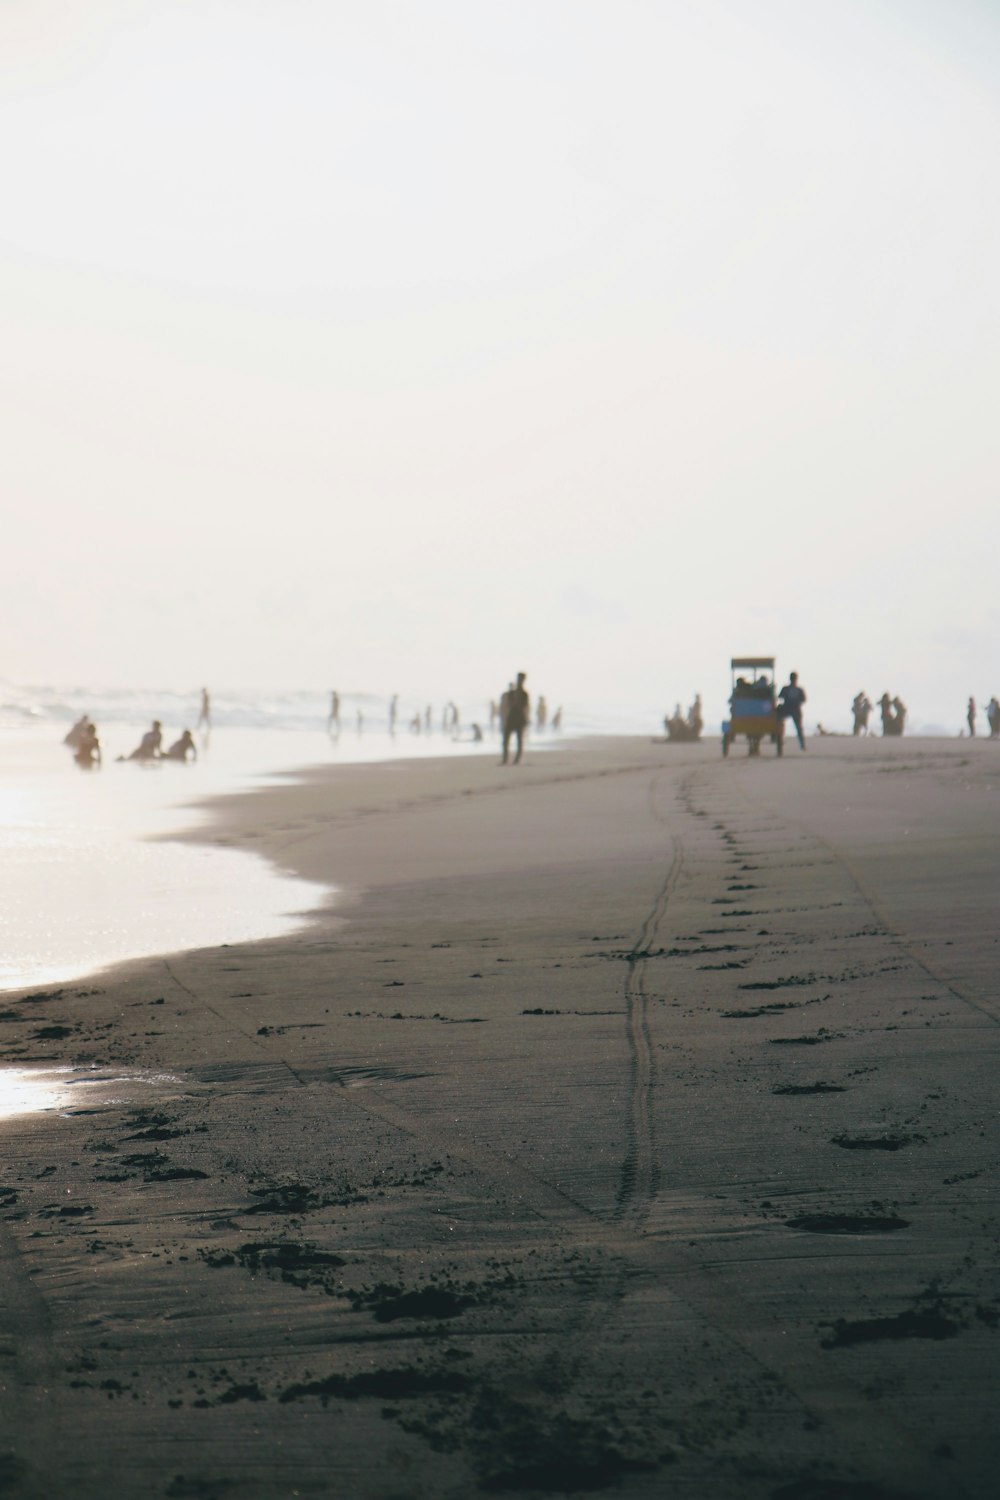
790, 701
515, 714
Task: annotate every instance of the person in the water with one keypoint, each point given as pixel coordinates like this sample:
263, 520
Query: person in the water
182, 747
88, 748
150, 746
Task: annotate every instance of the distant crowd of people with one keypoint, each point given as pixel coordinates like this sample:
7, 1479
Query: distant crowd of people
85, 743
424, 721
893, 712
510, 715
86, 746
992, 718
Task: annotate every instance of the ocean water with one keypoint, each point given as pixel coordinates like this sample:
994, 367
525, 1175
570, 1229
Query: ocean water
89, 874
305, 711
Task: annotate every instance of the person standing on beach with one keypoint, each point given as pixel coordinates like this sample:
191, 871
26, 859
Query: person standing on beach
790, 701
333, 718
970, 717
515, 715
205, 714
393, 711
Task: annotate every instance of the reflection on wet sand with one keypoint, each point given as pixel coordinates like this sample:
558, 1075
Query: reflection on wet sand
26, 1091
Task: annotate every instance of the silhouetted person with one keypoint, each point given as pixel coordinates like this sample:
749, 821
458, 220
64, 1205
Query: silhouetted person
861, 708
393, 711
893, 711
494, 712
790, 701
674, 724
477, 733
541, 713
333, 718
76, 734
899, 712
149, 746
180, 749
205, 714
88, 748
993, 718
557, 718
695, 720
515, 715
970, 717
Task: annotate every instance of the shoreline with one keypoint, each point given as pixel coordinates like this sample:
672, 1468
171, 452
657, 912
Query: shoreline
625, 1117
94, 873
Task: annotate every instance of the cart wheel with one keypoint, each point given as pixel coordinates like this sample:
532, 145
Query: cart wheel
725, 744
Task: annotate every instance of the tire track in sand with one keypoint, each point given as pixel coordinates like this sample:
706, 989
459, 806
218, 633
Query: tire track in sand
640, 1169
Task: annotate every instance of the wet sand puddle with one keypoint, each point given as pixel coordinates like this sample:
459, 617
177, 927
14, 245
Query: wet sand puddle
74, 1091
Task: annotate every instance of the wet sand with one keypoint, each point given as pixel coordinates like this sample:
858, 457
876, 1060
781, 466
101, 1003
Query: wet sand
627, 1121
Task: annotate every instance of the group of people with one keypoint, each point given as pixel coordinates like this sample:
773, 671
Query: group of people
992, 717
422, 721
892, 710
86, 746
150, 747
680, 728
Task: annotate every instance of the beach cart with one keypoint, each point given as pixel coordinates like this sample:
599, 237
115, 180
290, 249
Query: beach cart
753, 707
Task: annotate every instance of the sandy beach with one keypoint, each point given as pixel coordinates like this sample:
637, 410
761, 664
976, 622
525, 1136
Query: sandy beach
626, 1121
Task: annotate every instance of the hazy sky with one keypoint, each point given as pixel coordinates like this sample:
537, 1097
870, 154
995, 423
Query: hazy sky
399, 344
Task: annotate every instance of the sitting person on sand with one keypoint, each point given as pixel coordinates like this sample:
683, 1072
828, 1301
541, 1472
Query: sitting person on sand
180, 748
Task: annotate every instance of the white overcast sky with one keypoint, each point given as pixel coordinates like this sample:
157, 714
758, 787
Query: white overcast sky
400, 344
